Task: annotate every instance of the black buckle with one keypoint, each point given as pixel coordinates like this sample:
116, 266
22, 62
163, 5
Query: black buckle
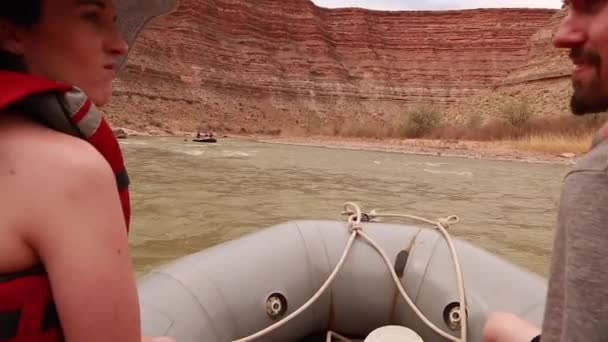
9, 321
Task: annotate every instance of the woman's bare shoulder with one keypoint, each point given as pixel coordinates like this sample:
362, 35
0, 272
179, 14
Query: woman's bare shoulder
35, 150
40, 167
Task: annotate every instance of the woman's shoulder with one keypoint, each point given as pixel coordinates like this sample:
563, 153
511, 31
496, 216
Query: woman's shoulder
47, 175
41, 167
27, 145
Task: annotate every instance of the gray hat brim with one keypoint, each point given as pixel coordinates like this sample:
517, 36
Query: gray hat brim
133, 15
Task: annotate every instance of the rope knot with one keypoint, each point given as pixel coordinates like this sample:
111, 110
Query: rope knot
355, 226
446, 222
355, 216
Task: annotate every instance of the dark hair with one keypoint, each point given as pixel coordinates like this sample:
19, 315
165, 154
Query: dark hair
21, 13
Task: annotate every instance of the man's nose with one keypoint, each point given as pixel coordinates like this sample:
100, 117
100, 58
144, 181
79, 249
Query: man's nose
571, 32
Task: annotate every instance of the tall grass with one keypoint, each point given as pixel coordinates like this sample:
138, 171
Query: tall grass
554, 143
417, 122
515, 124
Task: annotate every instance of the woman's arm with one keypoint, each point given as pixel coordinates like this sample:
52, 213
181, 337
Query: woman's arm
77, 228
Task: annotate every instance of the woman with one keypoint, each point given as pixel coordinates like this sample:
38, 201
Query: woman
65, 270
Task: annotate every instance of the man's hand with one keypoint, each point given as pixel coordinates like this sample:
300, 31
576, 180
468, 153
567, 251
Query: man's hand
506, 327
157, 339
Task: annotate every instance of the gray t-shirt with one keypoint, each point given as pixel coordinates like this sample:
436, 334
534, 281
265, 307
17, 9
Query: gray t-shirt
577, 302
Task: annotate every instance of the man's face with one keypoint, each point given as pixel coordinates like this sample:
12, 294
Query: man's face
585, 32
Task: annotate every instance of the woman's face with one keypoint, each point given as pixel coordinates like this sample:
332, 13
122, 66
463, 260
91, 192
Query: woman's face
75, 42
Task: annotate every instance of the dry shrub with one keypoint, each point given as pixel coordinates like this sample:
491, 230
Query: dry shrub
516, 112
423, 119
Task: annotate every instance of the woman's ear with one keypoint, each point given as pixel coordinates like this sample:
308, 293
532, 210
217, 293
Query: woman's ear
9, 38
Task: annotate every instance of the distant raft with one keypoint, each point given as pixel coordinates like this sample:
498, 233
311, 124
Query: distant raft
205, 140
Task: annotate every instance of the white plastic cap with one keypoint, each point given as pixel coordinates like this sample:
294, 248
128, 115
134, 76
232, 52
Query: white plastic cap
393, 333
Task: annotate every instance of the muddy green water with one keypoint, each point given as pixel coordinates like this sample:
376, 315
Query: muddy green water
188, 196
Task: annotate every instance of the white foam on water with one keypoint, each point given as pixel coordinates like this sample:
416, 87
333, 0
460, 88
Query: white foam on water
200, 145
235, 154
122, 142
192, 152
434, 164
457, 173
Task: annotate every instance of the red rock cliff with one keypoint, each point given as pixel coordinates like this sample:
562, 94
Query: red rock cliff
544, 60
266, 65
543, 81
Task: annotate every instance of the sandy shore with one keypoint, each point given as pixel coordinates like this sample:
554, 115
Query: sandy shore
445, 148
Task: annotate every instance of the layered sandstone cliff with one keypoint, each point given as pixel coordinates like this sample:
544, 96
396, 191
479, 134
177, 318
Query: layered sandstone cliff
544, 61
268, 65
543, 82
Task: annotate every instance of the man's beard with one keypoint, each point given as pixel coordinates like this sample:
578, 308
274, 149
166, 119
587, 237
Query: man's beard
590, 98
589, 101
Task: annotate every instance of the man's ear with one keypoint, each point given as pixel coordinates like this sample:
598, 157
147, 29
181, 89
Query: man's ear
9, 38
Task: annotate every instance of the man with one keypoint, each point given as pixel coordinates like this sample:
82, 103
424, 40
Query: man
577, 302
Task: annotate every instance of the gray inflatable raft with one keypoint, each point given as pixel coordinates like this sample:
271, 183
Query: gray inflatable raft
238, 288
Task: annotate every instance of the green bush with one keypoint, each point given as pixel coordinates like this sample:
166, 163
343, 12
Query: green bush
422, 120
516, 112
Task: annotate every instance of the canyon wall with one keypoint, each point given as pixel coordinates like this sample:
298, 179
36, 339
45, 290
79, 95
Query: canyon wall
268, 66
543, 82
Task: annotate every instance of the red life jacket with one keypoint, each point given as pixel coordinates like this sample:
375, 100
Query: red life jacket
27, 311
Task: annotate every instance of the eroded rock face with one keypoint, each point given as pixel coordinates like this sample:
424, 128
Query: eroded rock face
544, 60
543, 81
267, 65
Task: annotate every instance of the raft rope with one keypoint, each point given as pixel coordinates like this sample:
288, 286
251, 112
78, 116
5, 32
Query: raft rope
354, 219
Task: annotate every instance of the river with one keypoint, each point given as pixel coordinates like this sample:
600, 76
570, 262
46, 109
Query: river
187, 196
